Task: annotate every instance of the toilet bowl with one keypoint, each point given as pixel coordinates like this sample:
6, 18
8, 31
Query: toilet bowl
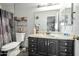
10, 46
13, 47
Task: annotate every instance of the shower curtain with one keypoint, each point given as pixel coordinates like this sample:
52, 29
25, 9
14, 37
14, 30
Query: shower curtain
1, 37
7, 30
12, 26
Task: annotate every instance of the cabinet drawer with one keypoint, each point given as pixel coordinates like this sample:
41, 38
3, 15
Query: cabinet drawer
32, 50
33, 45
66, 43
32, 40
65, 49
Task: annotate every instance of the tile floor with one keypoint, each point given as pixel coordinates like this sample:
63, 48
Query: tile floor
24, 52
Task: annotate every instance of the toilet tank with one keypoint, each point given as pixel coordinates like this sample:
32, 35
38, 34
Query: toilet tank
20, 37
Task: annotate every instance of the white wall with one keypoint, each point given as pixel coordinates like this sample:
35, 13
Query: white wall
76, 19
7, 6
76, 27
0, 5
26, 10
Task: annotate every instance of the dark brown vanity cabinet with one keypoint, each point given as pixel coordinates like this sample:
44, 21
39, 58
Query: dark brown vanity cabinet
50, 47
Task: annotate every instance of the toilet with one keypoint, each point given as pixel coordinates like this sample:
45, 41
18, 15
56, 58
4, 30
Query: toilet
13, 47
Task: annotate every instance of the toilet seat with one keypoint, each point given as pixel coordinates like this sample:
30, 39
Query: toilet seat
10, 46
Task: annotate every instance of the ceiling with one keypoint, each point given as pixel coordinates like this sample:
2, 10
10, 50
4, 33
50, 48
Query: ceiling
27, 5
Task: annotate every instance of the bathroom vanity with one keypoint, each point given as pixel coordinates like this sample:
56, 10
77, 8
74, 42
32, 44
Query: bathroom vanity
45, 45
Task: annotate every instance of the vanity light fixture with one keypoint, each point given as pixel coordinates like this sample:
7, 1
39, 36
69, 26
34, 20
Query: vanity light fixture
46, 4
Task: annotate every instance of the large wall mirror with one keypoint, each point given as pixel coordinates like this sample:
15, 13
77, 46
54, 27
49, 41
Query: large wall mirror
47, 21
55, 20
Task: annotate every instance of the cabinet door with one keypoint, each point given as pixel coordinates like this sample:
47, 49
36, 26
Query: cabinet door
42, 46
52, 47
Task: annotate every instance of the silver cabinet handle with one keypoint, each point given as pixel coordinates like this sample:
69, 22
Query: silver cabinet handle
32, 45
48, 44
32, 40
65, 50
65, 43
32, 50
45, 43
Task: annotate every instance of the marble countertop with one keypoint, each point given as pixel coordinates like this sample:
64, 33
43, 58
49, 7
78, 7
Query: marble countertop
53, 36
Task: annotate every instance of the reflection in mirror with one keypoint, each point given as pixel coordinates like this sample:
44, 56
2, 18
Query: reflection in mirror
51, 23
65, 18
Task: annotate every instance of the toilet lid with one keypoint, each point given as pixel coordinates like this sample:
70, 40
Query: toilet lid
10, 46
